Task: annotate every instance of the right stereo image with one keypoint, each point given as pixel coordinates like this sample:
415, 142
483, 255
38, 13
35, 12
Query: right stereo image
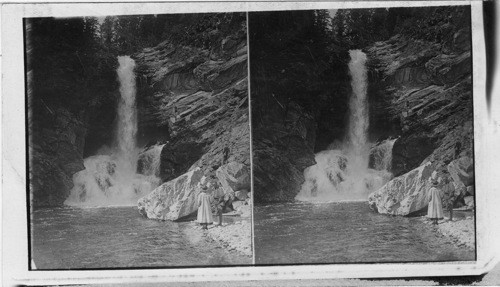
362, 135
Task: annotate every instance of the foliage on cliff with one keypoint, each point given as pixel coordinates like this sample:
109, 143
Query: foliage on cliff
69, 77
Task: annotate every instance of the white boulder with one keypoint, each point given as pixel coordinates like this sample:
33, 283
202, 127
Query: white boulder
404, 194
174, 199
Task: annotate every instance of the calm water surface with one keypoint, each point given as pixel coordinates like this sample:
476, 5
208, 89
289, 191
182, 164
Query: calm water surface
345, 232
65, 238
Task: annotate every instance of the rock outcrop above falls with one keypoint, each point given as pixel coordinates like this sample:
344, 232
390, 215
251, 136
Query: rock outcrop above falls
197, 100
429, 91
428, 86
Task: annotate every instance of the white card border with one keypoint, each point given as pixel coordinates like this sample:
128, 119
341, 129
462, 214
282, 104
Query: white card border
14, 207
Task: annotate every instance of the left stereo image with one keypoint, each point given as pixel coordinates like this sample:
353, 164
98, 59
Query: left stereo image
138, 141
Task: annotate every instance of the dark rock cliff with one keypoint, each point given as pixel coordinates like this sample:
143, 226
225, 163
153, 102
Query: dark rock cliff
196, 100
299, 86
428, 86
429, 91
62, 97
283, 149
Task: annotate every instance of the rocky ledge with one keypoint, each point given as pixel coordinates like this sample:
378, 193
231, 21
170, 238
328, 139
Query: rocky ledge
195, 100
429, 88
407, 194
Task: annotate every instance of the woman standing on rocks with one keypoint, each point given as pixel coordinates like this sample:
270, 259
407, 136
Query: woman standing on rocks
204, 209
435, 209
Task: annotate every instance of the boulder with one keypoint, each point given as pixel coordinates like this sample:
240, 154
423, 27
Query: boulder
462, 171
244, 210
238, 204
405, 194
241, 194
469, 201
175, 199
470, 190
233, 176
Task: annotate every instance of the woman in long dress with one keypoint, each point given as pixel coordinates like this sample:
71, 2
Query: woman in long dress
435, 208
204, 208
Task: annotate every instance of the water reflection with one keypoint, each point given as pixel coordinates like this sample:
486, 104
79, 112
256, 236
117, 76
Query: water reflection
66, 238
345, 232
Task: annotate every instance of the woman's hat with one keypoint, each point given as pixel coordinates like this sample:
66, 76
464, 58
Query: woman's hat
434, 177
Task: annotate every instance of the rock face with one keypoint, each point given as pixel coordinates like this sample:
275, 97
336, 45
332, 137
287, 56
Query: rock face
234, 177
430, 93
282, 149
429, 88
462, 171
195, 100
56, 141
405, 194
56, 154
200, 101
175, 199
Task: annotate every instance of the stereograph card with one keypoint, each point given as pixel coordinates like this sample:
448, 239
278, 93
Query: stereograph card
206, 141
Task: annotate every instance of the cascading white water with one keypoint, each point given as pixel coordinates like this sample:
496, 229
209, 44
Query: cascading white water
381, 155
127, 116
344, 174
357, 149
110, 178
150, 160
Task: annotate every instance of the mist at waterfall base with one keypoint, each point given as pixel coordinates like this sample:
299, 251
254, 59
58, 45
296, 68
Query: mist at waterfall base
110, 177
343, 172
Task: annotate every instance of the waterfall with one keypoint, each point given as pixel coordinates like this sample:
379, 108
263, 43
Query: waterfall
357, 148
381, 155
110, 178
127, 116
149, 161
358, 110
344, 174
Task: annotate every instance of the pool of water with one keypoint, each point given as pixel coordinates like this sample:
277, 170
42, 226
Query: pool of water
115, 237
345, 232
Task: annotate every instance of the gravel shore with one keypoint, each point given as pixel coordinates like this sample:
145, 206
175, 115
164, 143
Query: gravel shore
235, 236
462, 231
